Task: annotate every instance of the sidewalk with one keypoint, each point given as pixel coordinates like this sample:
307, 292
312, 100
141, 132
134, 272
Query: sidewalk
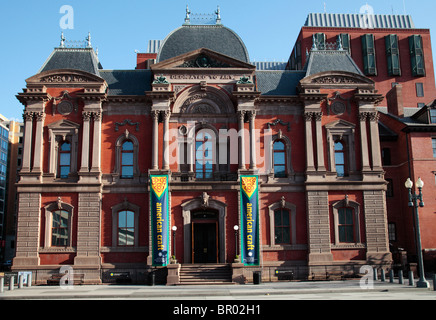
274, 290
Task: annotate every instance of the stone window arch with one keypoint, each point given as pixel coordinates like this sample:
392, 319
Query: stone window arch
132, 227
287, 163
127, 169
351, 210
292, 211
58, 225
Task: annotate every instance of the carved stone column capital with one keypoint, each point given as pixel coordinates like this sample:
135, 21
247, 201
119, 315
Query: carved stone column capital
308, 116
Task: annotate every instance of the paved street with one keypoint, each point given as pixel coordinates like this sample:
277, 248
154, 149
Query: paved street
322, 290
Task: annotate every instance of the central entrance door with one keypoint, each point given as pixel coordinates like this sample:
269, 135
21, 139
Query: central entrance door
204, 237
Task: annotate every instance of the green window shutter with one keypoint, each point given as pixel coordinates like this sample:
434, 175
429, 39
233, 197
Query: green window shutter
345, 40
416, 55
368, 51
393, 55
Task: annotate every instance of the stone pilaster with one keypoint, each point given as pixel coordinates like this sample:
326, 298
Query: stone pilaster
252, 118
28, 231
88, 235
27, 151
318, 228
241, 117
37, 162
377, 242
310, 162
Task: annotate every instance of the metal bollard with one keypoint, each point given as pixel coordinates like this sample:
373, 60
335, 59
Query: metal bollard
400, 277
11, 283
20, 281
375, 274
434, 282
411, 279
2, 285
29, 280
383, 276
391, 276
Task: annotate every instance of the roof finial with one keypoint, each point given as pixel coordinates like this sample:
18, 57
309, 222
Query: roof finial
218, 15
340, 47
188, 17
62, 40
88, 39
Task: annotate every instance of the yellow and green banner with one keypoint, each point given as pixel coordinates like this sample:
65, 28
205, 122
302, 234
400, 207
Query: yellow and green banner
249, 193
159, 217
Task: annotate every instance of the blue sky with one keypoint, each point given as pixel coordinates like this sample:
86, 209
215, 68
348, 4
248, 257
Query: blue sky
30, 29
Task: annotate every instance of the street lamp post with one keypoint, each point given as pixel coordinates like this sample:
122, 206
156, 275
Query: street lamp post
236, 228
174, 228
413, 202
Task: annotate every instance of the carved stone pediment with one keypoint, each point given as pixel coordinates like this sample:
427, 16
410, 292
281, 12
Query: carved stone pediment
202, 58
336, 79
64, 76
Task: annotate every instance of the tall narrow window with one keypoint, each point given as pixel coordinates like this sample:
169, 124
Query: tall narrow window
340, 159
393, 55
368, 50
59, 230
127, 160
64, 160
126, 228
417, 55
204, 155
282, 226
433, 141
346, 225
279, 159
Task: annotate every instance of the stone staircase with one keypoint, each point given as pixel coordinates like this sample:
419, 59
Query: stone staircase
205, 274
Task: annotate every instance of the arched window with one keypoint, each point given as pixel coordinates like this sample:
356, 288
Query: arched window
279, 159
127, 160
204, 155
126, 228
59, 228
282, 226
340, 159
64, 167
346, 225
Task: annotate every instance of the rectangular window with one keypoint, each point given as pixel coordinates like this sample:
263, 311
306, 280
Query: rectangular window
368, 51
432, 115
389, 188
345, 41
282, 225
416, 55
419, 89
392, 231
59, 231
393, 55
346, 225
433, 141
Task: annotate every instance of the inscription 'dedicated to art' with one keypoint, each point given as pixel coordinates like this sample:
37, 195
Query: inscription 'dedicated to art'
203, 77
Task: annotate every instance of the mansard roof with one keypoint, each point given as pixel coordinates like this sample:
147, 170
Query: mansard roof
83, 59
330, 60
214, 37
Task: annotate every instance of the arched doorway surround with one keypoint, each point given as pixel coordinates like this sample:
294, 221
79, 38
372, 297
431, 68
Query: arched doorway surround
203, 203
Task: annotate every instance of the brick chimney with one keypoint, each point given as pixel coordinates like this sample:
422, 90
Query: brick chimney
395, 101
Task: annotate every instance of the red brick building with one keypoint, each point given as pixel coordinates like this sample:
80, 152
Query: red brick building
258, 170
